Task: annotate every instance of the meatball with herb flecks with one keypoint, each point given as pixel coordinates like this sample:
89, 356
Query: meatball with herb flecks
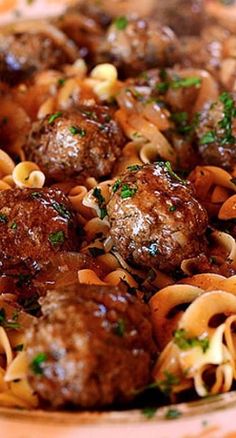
216, 132
134, 45
155, 220
34, 225
85, 142
92, 347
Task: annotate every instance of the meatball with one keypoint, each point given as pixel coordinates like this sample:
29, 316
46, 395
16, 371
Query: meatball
185, 17
136, 45
92, 347
24, 52
155, 219
34, 225
86, 141
216, 132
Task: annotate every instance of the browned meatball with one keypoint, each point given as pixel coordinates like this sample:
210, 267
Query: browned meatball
155, 219
92, 347
35, 224
86, 141
135, 45
216, 132
185, 17
22, 53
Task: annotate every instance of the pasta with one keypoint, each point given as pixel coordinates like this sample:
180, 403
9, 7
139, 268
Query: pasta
117, 209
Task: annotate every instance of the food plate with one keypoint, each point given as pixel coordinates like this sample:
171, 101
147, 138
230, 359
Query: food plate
212, 417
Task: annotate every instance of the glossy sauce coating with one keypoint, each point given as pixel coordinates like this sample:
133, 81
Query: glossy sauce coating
97, 343
160, 223
86, 141
34, 225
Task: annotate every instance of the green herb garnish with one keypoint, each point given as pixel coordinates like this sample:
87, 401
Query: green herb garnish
101, 202
172, 414
127, 191
169, 169
61, 210
177, 83
119, 329
116, 185
56, 238
166, 385
185, 343
9, 323
3, 218
35, 195
18, 347
13, 226
172, 208
134, 167
37, 362
61, 82
74, 130
149, 412
53, 117
121, 23
153, 249
209, 137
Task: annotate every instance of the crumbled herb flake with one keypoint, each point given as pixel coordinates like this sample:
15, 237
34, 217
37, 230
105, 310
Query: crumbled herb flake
153, 249
13, 226
192, 81
101, 202
172, 208
35, 195
127, 191
185, 343
3, 218
209, 137
181, 122
134, 167
119, 329
53, 117
61, 210
75, 130
37, 362
95, 252
149, 412
169, 169
116, 185
61, 82
121, 23
172, 414
170, 380
57, 238
8, 323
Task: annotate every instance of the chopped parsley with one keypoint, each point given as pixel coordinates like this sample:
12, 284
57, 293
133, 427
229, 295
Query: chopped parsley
223, 131
56, 238
208, 138
185, 343
53, 117
61, 210
127, 191
169, 169
61, 82
95, 252
121, 23
172, 208
177, 83
119, 329
9, 323
35, 195
116, 185
172, 414
153, 249
181, 122
13, 226
101, 202
74, 130
149, 412
37, 362
167, 384
134, 167
3, 218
